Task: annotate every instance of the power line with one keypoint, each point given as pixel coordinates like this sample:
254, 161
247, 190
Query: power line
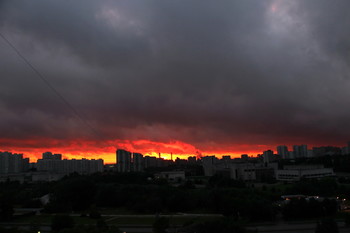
51, 87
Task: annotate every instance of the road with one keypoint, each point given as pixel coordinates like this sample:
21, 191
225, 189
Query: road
281, 227
306, 227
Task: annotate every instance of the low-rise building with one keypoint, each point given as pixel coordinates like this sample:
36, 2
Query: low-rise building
296, 173
171, 176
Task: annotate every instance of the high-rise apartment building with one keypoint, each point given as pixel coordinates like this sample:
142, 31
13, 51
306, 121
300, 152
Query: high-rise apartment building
13, 163
345, 150
283, 151
123, 161
150, 161
192, 160
300, 151
49, 155
137, 162
268, 156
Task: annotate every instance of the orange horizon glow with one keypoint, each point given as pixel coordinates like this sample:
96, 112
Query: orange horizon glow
110, 158
106, 150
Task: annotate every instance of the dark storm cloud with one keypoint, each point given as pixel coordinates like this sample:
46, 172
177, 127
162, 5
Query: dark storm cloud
81, 25
197, 71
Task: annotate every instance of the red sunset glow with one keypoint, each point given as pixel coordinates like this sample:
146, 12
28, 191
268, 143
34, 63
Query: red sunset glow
105, 150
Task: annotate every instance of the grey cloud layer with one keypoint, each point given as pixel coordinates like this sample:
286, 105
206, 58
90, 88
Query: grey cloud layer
197, 71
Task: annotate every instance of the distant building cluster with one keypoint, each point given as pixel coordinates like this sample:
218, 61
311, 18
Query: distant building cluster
13, 163
246, 169
263, 168
51, 167
302, 151
136, 162
53, 163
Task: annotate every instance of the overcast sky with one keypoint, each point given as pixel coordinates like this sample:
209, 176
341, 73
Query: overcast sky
212, 74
